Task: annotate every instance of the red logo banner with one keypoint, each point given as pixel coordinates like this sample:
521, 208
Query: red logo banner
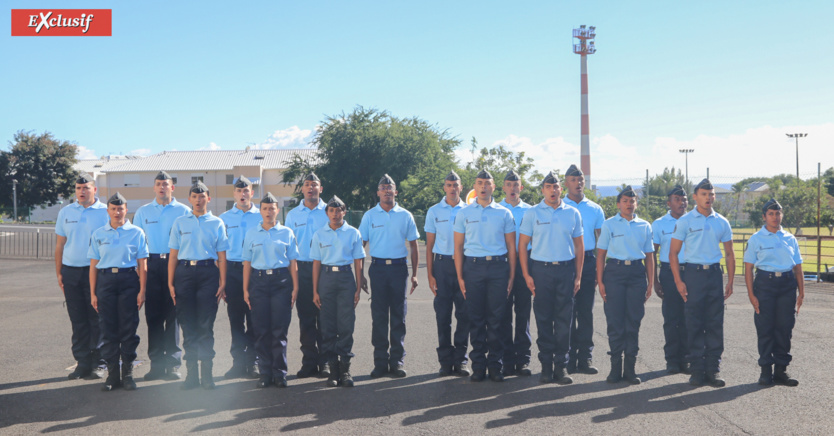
62, 22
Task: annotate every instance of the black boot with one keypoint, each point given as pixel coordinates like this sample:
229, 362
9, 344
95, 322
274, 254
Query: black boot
586, 366
206, 376
127, 376
766, 377
547, 373
80, 372
157, 372
616, 373
192, 376
333, 378
113, 380
780, 377
345, 379
629, 373
560, 377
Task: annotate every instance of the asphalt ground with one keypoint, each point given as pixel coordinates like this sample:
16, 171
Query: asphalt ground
36, 397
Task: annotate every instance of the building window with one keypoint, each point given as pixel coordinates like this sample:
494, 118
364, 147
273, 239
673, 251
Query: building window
230, 179
194, 179
230, 204
131, 180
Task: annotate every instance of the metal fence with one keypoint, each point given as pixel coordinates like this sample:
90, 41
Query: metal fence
34, 244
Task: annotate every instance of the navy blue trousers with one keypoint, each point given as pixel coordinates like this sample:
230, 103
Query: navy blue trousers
450, 350
86, 334
704, 317
196, 289
161, 317
674, 317
309, 321
118, 314
271, 298
582, 325
338, 317
625, 295
240, 317
486, 300
517, 349
553, 307
389, 284
776, 317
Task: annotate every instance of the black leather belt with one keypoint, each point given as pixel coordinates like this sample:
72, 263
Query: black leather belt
269, 272
502, 258
116, 270
335, 268
205, 262
377, 261
561, 263
669, 265
625, 262
699, 267
773, 275
443, 257
158, 255
234, 264
589, 252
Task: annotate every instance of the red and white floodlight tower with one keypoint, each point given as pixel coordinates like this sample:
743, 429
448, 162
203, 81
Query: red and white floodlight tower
583, 49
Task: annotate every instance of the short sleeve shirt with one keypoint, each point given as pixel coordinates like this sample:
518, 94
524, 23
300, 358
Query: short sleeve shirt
552, 231
773, 252
662, 230
238, 223
304, 222
624, 239
118, 248
592, 219
198, 238
702, 235
337, 247
484, 229
440, 220
386, 232
156, 221
77, 224
270, 249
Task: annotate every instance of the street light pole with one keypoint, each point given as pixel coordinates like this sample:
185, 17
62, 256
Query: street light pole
14, 194
796, 136
686, 152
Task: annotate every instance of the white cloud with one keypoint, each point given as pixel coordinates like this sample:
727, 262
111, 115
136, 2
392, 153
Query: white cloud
211, 146
85, 153
141, 152
293, 137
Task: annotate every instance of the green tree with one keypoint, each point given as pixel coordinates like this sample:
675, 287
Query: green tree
354, 150
43, 168
498, 161
799, 203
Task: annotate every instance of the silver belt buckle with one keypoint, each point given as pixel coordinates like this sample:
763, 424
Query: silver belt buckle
555, 263
335, 269
192, 262
163, 255
388, 261
114, 270
269, 272
489, 258
778, 274
627, 262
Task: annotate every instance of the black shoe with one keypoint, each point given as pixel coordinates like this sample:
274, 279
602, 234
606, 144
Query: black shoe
697, 378
156, 373
398, 371
236, 371
496, 376
333, 378
308, 371
113, 380
280, 381
324, 370
766, 377
585, 366
616, 373
127, 376
478, 376
673, 368
462, 370
685, 368
173, 373
560, 377
571, 368
714, 379
547, 373
780, 377
345, 379
264, 382
379, 371
206, 376
80, 372
507, 371
252, 373
629, 374
523, 370
192, 375
98, 373
446, 371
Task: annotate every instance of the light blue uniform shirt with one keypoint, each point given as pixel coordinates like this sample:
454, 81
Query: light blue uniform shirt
337, 247
662, 230
440, 220
77, 224
592, 219
626, 240
518, 215
198, 238
304, 222
774, 252
238, 223
484, 229
118, 248
386, 232
270, 249
156, 221
552, 231
702, 235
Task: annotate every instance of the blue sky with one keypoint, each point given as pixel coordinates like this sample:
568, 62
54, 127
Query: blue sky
726, 78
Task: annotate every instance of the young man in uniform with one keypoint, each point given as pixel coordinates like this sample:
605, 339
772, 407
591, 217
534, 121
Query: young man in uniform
517, 341
156, 219
305, 220
674, 318
775, 255
582, 326
385, 229
74, 226
239, 219
335, 247
443, 283
485, 260
118, 275
699, 233
197, 282
270, 288
553, 272
626, 282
